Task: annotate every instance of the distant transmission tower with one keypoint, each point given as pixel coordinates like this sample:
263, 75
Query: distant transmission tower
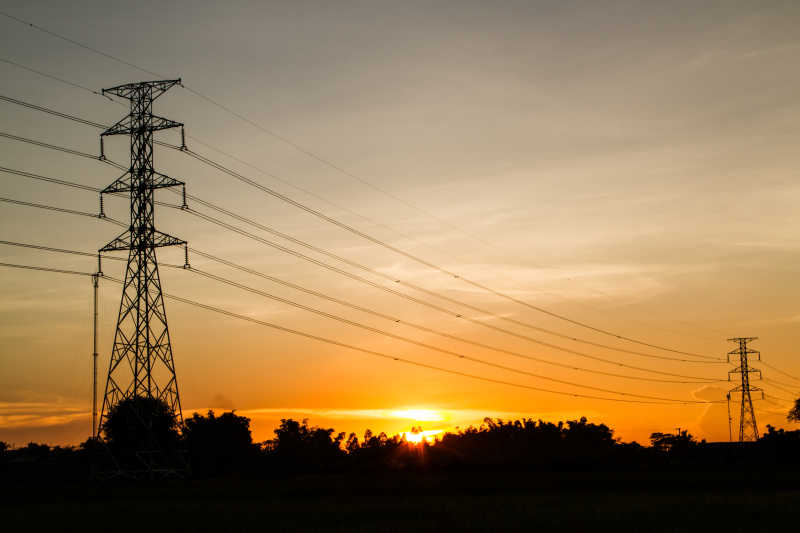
141, 360
748, 430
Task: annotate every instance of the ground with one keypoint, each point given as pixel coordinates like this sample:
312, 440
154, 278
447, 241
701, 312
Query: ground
417, 502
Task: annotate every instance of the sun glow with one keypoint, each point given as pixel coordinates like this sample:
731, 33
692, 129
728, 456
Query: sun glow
416, 437
421, 415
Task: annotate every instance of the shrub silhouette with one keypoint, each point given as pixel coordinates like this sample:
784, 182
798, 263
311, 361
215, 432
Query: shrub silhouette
794, 414
297, 446
218, 444
679, 444
137, 425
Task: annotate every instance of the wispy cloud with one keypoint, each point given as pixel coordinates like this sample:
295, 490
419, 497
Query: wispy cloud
39, 414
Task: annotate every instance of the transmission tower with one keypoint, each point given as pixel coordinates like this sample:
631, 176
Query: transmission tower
748, 430
141, 359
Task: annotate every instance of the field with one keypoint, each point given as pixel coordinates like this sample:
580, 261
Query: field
418, 502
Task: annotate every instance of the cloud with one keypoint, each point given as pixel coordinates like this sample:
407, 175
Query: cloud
221, 401
39, 414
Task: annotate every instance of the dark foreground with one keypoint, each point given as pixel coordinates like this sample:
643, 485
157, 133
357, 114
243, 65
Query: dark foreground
654, 501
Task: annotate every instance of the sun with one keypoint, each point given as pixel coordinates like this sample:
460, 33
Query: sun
416, 437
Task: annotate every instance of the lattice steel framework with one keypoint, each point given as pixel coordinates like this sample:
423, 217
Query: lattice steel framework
141, 359
748, 430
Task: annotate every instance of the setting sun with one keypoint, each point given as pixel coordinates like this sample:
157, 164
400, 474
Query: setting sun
417, 437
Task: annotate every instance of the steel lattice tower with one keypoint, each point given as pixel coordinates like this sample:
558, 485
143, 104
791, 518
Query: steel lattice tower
141, 359
748, 430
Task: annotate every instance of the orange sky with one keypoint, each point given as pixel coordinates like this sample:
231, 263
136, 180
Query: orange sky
632, 167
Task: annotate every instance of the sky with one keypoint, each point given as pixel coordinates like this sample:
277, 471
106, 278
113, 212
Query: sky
630, 165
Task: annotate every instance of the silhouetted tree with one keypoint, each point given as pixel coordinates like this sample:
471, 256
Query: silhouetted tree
673, 443
352, 443
218, 444
140, 424
4, 447
794, 413
297, 446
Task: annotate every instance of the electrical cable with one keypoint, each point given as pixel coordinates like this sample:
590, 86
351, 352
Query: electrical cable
229, 213
54, 208
422, 302
581, 354
46, 269
52, 112
385, 333
52, 77
425, 329
391, 318
785, 389
227, 154
355, 231
408, 361
350, 228
779, 370
352, 347
364, 280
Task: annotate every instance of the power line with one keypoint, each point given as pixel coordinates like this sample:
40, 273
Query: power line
48, 207
218, 150
350, 228
779, 370
388, 246
298, 254
231, 156
781, 399
319, 250
780, 382
421, 289
48, 179
78, 252
46, 269
785, 389
50, 76
51, 112
428, 292
356, 307
705, 380
306, 191
412, 341
77, 43
364, 350
403, 360
390, 278
234, 113
47, 145
425, 329
422, 302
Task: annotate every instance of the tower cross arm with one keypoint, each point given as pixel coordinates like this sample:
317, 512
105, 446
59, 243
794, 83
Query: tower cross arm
157, 181
131, 90
125, 126
125, 242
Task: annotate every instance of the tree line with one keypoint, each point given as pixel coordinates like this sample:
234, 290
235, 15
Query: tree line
210, 445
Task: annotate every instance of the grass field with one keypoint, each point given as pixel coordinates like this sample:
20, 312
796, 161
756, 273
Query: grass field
424, 502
